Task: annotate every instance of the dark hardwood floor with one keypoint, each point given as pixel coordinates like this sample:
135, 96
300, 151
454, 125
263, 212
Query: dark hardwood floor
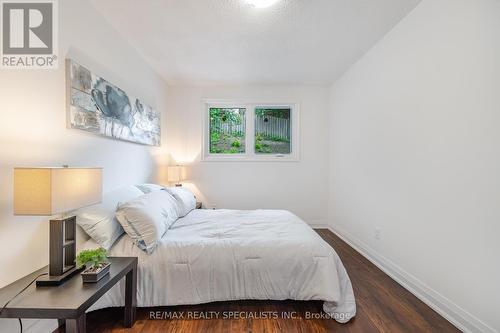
382, 306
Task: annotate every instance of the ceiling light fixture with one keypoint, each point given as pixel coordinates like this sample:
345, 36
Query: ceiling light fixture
261, 3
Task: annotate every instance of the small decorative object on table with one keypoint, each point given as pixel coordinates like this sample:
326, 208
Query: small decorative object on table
95, 262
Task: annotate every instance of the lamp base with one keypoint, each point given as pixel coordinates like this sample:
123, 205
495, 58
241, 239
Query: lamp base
56, 280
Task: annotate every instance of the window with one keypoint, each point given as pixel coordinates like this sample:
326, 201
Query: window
227, 131
250, 131
272, 131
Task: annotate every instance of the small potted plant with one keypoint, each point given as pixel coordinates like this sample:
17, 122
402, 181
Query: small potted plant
95, 262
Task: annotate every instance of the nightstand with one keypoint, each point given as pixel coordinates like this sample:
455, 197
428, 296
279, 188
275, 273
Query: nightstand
69, 301
199, 205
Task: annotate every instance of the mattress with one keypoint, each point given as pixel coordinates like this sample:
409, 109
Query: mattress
222, 255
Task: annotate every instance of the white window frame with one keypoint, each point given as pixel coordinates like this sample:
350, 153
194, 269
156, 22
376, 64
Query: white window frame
250, 155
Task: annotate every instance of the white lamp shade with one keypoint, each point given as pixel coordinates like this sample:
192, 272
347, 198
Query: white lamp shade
174, 173
49, 191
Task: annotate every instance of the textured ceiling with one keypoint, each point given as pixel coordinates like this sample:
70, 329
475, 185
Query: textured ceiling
229, 41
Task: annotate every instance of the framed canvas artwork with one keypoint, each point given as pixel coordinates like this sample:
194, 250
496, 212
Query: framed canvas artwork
98, 106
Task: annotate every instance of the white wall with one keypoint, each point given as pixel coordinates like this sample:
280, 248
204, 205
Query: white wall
415, 145
33, 129
296, 186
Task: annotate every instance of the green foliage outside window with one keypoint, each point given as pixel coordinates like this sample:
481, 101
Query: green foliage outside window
272, 131
227, 130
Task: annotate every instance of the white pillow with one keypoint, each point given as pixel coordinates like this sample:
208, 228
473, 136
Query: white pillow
185, 199
99, 221
147, 218
148, 188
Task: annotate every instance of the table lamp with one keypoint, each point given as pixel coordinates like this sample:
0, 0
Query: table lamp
51, 191
175, 175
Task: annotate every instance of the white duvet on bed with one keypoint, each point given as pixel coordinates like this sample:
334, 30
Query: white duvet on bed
220, 255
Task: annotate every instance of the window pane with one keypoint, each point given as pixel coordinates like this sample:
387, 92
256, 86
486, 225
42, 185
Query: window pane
227, 130
272, 131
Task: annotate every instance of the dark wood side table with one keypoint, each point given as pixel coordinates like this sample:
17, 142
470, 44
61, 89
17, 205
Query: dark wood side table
70, 300
199, 205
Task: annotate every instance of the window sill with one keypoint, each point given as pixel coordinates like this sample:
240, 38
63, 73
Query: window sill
246, 158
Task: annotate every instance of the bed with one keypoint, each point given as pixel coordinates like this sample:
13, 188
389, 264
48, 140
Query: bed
222, 255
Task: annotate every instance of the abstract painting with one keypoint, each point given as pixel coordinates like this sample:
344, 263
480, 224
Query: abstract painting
97, 106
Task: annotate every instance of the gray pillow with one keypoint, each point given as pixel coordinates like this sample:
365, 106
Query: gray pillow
147, 218
185, 199
99, 221
148, 188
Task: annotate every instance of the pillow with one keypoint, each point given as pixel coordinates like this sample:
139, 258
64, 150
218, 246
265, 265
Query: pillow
148, 188
99, 221
147, 218
185, 199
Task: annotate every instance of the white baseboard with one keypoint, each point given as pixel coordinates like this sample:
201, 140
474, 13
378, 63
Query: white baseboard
460, 318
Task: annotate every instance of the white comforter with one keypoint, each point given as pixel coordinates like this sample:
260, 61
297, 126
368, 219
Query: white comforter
220, 255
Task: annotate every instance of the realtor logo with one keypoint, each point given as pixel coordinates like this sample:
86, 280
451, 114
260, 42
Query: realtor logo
29, 34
